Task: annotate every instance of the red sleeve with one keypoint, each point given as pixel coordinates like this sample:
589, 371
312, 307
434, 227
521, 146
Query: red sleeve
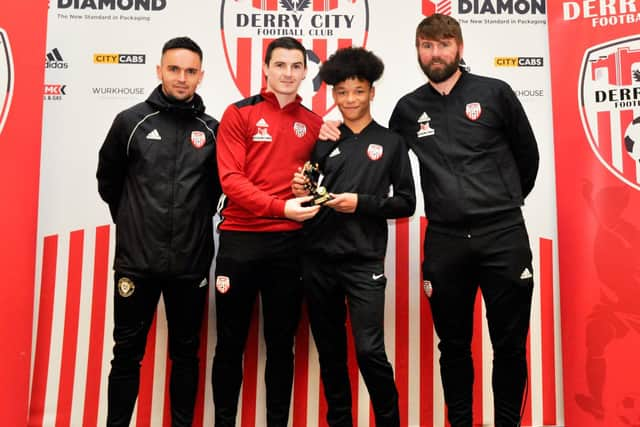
231, 154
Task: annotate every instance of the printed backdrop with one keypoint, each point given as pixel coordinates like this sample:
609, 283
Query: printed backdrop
22, 43
100, 58
596, 86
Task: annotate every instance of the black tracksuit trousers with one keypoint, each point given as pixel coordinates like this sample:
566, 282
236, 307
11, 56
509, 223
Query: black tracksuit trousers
499, 263
267, 263
332, 286
133, 314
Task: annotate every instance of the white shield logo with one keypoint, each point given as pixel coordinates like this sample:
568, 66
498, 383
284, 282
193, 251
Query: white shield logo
374, 151
428, 288
473, 110
248, 26
609, 100
6, 77
300, 129
223, 283
198, 138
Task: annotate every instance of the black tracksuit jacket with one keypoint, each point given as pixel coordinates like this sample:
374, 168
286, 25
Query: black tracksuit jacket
477, 152
157, 172
368, 163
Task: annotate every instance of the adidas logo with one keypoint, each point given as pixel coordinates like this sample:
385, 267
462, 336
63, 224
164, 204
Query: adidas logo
154, 135
54, 60
424, 118
262, 124
526, 274
335, 152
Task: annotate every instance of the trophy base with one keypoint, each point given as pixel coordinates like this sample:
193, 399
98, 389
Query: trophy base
321, 196
322, 199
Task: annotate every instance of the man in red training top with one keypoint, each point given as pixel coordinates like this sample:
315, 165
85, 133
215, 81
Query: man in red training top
261, 142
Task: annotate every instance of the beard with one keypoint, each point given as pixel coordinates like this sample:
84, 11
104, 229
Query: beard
440, 74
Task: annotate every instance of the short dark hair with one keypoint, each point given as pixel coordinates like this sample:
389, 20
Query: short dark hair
182, 43
351, 62
438, 26
285, 43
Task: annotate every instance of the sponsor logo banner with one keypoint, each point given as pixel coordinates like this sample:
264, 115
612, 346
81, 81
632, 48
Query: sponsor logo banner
429, 7
122, 11
518, 61
54, 60
119, 58
54, 91
118, 92
125, 5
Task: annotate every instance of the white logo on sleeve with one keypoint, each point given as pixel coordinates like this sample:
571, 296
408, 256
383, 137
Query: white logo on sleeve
154, 134
526, 274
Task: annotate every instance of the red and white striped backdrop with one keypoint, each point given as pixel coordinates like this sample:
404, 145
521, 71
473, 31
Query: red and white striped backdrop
73, 345
73, 287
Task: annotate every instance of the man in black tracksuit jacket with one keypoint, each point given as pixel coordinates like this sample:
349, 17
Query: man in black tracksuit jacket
157, 172
478, 161
369, 176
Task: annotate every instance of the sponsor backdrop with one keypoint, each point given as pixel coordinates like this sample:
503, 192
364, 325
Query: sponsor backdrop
22, 43
596, 104
100, 58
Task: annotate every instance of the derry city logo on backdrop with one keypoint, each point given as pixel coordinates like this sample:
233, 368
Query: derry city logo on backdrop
609, 101
6, 77
323, 26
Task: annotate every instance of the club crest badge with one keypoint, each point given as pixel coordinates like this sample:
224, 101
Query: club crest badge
424, 127
247, 27
608, 100
375, 151
428, 288
198, 138
223, 284
6, 77
126, 287
300, 129
473, 111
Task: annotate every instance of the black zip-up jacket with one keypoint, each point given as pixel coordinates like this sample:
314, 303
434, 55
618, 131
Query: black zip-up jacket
369, 164
477, 152
157, 172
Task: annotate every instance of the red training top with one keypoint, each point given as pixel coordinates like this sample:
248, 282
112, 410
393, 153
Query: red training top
259, 147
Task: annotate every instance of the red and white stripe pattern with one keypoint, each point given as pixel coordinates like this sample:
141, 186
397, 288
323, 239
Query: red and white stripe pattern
429, 7
73, 326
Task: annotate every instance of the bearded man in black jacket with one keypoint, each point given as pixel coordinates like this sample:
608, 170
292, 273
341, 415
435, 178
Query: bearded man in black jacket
157, 172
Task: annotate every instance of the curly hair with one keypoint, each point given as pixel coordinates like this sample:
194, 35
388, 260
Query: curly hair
351, 62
